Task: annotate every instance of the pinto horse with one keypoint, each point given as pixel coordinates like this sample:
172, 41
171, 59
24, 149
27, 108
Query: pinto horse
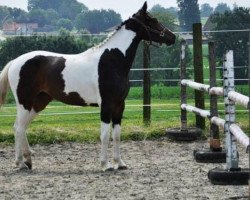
96, 77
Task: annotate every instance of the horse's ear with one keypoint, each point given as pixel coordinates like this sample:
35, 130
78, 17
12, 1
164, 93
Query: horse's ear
144, 7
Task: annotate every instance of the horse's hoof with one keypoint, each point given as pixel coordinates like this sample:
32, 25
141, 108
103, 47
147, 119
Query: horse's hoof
32, 152
122, 167
23, 167
110, 169
107, 166
29, 165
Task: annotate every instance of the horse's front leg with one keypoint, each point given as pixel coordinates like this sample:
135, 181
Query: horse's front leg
105, 135
116, 134
116, 143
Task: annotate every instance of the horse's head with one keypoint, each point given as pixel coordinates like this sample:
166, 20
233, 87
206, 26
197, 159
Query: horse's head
149, 28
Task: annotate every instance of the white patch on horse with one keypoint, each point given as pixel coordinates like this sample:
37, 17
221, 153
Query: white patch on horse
122, 39
116, 143
81, 72
81, 76
105, 134
24, 117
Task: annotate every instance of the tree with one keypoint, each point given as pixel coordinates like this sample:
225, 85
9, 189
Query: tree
65, 23
189, 13
173, 11
157, 8
206, 10
237, 19
235, 5
65, 8
97, 21
164, 17
70, 9
221, 8
4, 14
44, 4
38, 16
18, 15
51, 17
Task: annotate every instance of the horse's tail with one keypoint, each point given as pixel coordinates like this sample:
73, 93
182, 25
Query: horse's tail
4, 83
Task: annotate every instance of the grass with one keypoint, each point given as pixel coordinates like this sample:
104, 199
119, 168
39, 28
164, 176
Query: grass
83, 127
51, 127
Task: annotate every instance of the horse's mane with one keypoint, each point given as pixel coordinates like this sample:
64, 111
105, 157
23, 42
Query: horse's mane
110, 35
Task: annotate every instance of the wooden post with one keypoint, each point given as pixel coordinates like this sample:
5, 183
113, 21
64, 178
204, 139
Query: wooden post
183, 87
198, 72
146, 85
214, 129
249, 107
249, 82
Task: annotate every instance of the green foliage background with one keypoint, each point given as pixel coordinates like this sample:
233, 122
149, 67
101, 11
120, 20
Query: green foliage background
237, 19
64, 43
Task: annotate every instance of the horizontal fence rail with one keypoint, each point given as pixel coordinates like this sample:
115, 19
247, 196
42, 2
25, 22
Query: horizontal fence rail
239, 98
195, 85
197, 111
241, 137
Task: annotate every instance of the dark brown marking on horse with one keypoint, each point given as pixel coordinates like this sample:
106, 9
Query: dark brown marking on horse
41, 81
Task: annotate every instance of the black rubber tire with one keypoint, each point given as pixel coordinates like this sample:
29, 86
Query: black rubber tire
208, 156
179, 135
219, 176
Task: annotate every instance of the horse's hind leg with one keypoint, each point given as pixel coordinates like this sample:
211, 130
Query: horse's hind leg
116, 120
24, 117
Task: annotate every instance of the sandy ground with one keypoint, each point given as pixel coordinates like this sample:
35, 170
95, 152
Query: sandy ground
157, 170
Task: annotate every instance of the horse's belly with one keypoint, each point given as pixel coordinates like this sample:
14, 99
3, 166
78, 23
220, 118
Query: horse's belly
90, 94
84, 84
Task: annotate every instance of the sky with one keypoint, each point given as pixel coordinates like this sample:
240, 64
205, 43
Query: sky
127, 7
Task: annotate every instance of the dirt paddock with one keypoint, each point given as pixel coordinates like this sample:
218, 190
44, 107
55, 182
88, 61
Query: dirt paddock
157, 170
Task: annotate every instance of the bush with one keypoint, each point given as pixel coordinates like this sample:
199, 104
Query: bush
13, 47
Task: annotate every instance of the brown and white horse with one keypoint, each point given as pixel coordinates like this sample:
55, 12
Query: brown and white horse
96, 77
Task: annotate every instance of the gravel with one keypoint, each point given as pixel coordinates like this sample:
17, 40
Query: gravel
157, 170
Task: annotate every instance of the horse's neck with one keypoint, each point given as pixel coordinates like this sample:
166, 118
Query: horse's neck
127, 42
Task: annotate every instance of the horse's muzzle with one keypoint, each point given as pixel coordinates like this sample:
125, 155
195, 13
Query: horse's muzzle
171, 40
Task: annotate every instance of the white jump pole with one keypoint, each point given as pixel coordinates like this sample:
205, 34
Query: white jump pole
228, 74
